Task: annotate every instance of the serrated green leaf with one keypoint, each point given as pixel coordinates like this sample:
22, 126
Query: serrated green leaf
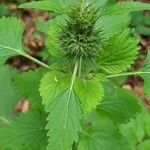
134, 131
8, 94
127, 7
89, 92
102, 134
118, 55
118, 14
112, 24
146, 75
10, 38
27, 84
63, 121
119, 104
52, 84
59, 6
26, 132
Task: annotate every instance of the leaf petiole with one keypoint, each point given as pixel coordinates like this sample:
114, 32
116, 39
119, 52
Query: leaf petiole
35, 60
128, 74
26, 55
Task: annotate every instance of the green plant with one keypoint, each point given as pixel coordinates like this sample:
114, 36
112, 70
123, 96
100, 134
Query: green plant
83, 106
141, 22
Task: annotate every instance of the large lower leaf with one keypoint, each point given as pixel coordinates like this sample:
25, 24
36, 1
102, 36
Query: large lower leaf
119, 53
28, 86
64, 111
101, 134
119, 104
137, 131
27, 132
63, 121
90, 93
8, 94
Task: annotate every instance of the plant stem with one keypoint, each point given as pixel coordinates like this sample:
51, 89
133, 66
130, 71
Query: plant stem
35, 60
74, 74
71, 88
128, 74
80, 66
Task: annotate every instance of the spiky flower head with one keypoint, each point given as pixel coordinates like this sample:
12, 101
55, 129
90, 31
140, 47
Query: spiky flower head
79, 38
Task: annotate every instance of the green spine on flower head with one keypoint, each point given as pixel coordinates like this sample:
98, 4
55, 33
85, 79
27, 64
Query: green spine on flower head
79, 38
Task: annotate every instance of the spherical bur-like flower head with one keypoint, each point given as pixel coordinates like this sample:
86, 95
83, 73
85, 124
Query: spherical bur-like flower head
79, 38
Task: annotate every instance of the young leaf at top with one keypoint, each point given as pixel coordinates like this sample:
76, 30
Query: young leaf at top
126, 7
58, 6
11, 31
101, 134
27, 132
118, 14
90, 93
146, 75
119, 104
8, 94
119, 53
